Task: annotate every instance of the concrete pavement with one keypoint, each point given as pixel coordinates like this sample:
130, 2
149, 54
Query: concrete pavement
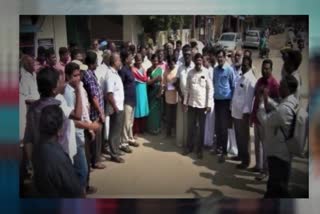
156, 169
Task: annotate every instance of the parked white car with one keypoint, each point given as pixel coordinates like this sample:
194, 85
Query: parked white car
230, 41
252, 38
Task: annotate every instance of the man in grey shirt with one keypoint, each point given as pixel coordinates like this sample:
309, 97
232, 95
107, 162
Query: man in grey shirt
277, 121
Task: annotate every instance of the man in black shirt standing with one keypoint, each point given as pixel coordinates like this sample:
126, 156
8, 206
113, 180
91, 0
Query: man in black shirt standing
54, 174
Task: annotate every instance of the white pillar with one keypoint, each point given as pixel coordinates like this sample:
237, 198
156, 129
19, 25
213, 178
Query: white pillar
131, 29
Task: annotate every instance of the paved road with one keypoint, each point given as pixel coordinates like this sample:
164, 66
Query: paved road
276, 42
157, 169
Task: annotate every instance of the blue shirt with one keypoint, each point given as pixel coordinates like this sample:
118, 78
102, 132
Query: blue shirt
223, 82
129, 85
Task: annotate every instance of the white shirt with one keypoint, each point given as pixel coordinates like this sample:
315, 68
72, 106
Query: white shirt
211, 75
85, 104
290, 36
70, 97
101, 74
68, 139
180, 55
180, 59
99, 56
183, 74
199, 89
179, 62
237, 73
28, 87
211, 71
28, 90
146, 64
114, 85
243, 95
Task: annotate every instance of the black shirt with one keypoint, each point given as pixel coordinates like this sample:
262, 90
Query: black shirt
129, 85
54, 175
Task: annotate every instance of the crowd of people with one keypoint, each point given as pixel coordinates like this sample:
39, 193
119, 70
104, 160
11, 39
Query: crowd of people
91, 104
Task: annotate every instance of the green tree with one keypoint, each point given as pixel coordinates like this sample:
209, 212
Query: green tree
153, 24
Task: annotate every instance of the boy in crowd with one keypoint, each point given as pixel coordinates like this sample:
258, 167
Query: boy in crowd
72, 71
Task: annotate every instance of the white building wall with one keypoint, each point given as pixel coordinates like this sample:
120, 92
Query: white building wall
9, 37
162, 37
131, 29
54, 27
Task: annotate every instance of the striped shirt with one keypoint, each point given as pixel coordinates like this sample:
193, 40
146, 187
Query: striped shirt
90, 83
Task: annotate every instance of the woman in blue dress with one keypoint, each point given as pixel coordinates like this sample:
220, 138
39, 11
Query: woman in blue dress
142, 106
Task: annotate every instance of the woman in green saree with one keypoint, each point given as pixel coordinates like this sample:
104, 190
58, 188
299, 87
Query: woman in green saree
154, 96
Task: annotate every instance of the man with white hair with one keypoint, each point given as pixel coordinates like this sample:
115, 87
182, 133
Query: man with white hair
102, 74
237, 64
237, 72
103, 69
115, 106
28, 89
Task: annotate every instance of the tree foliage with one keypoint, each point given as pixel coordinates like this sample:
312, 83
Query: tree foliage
153, 24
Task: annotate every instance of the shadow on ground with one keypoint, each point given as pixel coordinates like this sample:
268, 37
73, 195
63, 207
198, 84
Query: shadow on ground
227, 174
214, 193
